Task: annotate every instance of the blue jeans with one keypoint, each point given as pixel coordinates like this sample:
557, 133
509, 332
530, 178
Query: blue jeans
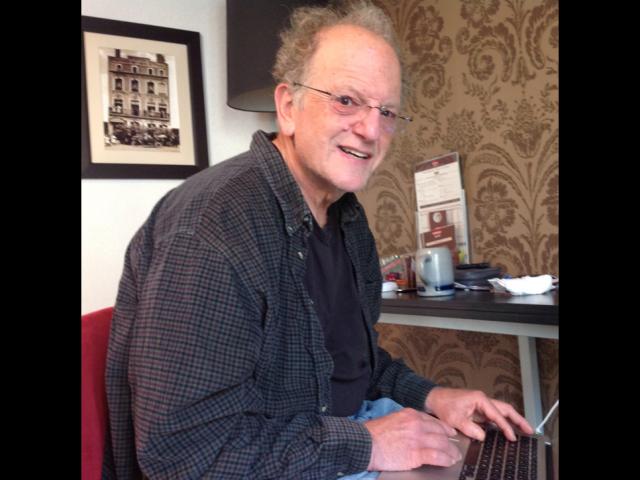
368, 411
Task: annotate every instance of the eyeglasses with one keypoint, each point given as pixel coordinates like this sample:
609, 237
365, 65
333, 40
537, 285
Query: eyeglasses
348, 106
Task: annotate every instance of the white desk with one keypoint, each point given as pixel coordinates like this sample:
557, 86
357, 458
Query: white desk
528, 317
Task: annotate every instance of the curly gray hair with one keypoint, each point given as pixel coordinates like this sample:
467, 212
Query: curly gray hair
299, 41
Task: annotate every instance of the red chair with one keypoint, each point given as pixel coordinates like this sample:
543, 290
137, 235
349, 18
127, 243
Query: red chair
95, 336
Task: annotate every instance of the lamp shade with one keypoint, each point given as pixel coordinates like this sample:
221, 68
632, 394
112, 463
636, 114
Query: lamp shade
252, 42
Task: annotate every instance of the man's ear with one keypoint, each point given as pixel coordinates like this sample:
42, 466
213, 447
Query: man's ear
283, 99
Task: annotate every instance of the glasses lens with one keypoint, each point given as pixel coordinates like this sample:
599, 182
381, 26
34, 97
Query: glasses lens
401, 125
388, 124
345, 105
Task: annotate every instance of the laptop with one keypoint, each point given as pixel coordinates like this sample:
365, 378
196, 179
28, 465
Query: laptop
528, 458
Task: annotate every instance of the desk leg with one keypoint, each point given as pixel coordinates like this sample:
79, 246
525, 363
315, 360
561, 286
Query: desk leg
530, 380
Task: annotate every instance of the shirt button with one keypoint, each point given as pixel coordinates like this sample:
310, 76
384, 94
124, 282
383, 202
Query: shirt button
301, 255
323, 408
340, 474
290, 229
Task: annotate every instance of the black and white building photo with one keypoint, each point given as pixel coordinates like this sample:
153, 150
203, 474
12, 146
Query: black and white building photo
139, 102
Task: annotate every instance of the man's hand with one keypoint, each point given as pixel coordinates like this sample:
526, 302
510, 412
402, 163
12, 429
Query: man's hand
408, 438
459, 408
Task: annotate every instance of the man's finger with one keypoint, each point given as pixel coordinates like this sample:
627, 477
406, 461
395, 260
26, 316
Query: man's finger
472, 430
501, 422
439, 458
435, 425
521, 423
518, 420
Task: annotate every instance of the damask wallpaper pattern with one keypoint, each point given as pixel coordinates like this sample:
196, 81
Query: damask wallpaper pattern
482, 80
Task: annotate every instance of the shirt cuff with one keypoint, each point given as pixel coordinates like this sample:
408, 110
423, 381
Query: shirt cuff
415, 392
348, 443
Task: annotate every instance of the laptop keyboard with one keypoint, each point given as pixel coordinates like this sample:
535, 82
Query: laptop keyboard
499, 459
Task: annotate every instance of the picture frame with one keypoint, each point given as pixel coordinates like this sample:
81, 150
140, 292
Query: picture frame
142, 101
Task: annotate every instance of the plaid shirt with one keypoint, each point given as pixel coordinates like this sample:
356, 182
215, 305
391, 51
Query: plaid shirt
217, 366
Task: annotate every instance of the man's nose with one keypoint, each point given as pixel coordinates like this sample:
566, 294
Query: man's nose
368, 126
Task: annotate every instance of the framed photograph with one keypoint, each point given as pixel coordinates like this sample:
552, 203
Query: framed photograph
142, 101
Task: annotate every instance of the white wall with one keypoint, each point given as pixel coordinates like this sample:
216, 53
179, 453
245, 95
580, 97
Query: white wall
112, 210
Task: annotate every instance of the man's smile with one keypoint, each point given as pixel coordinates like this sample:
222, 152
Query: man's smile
354, 152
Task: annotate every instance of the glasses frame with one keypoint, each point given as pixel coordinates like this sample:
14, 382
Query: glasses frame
381, 108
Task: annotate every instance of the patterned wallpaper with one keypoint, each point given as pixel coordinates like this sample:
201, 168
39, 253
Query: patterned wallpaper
483, 81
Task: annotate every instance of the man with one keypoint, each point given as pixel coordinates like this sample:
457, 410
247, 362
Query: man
242, 343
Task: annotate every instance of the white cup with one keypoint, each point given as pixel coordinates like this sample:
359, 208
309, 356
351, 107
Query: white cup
434, 269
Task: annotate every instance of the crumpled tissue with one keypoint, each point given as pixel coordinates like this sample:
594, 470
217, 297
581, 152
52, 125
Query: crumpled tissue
523, 285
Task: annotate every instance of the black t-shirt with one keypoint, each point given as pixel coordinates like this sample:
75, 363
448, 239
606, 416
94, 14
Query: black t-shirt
331, 283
